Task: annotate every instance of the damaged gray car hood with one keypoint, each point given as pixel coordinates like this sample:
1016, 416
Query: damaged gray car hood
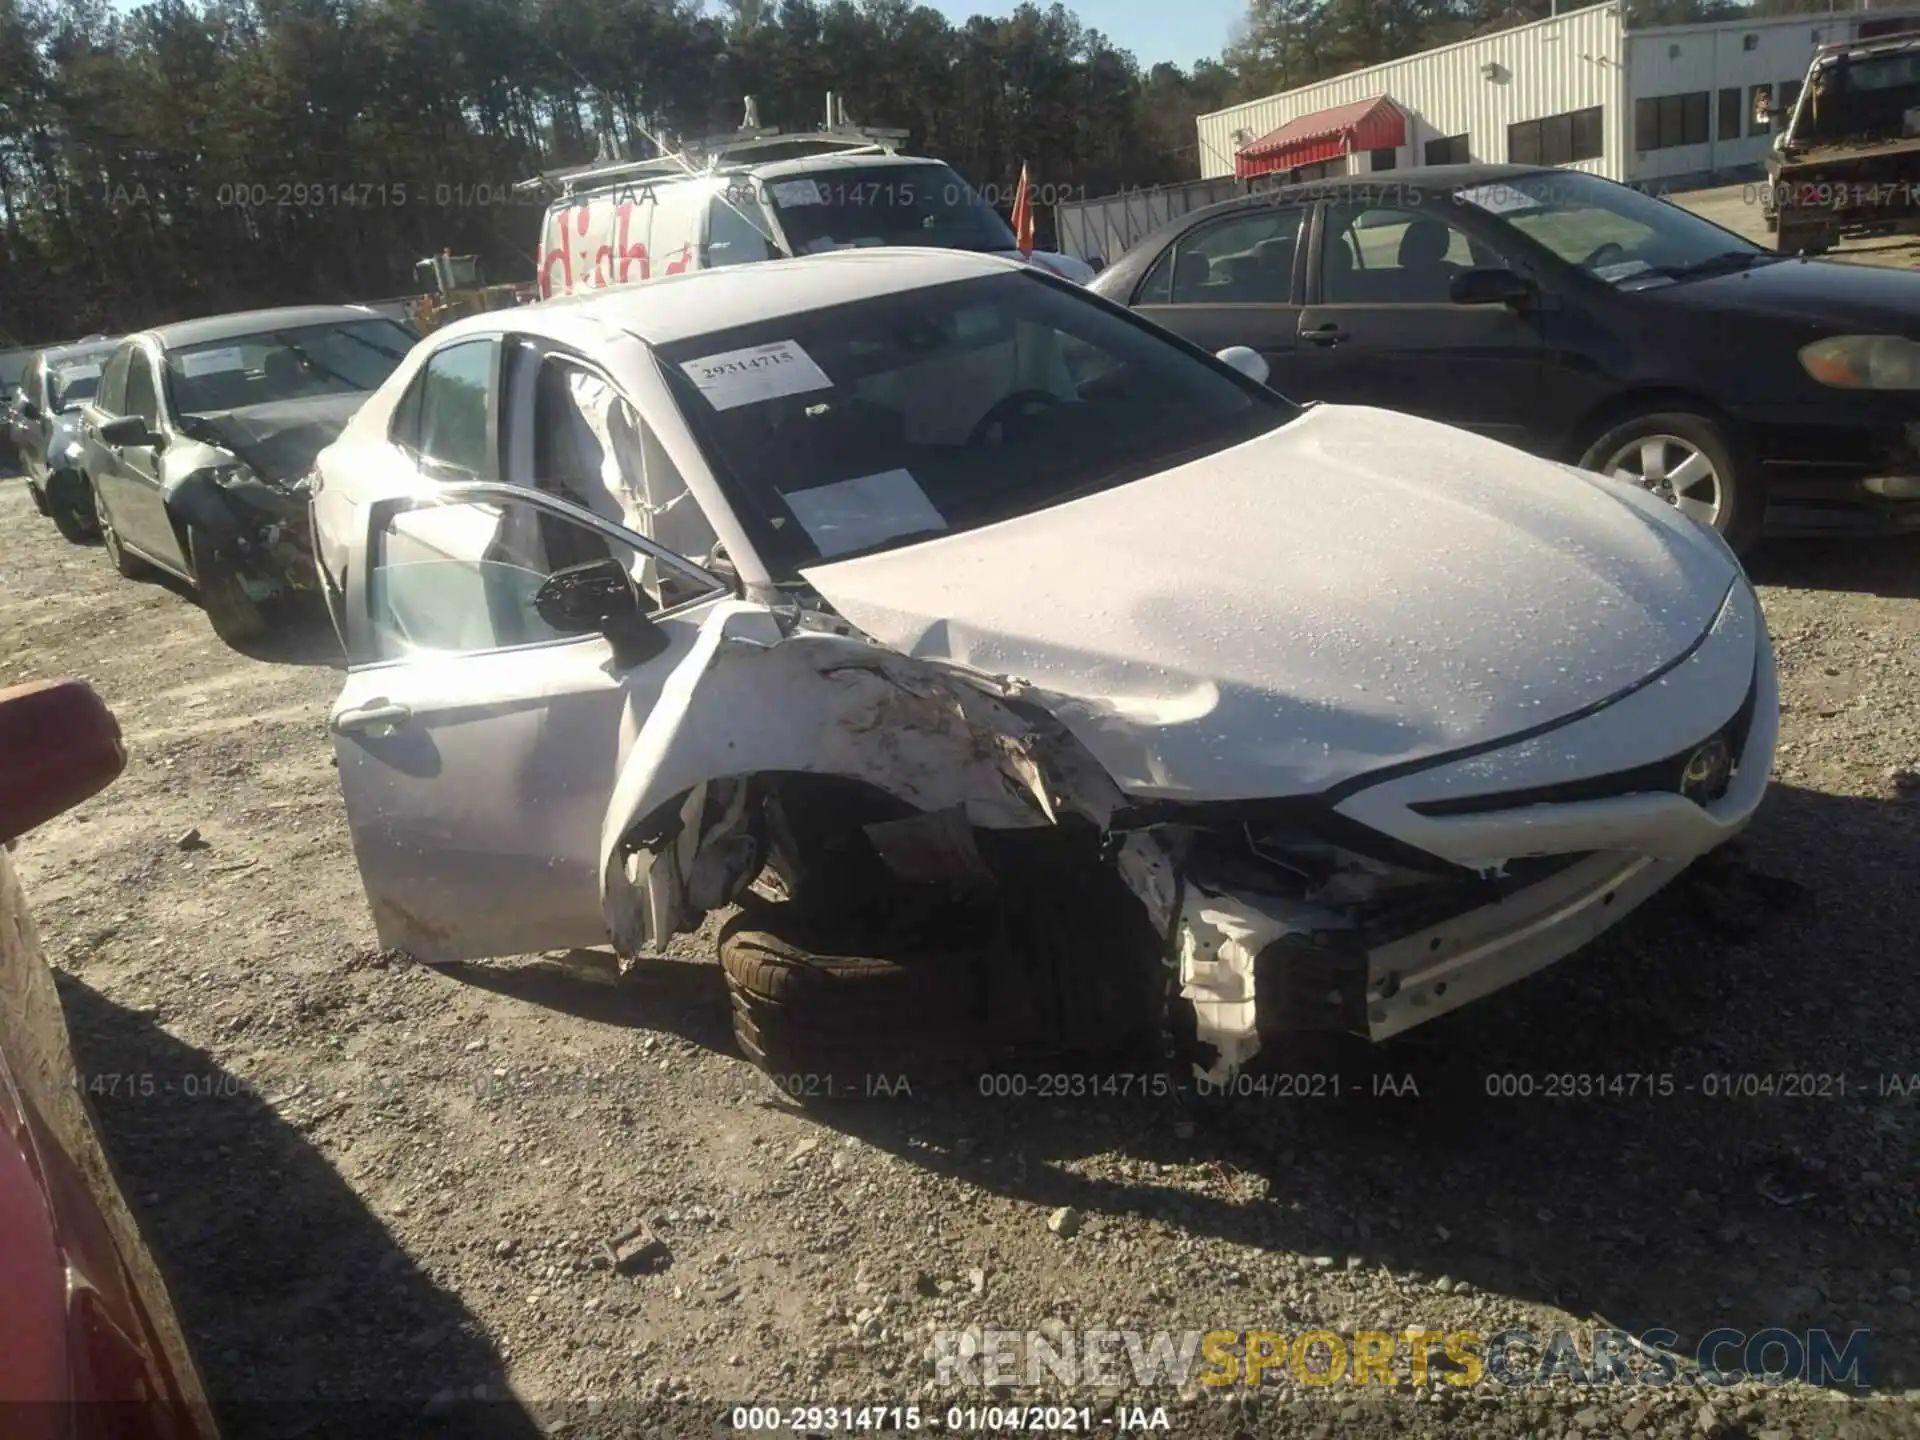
280, 439
1356, 589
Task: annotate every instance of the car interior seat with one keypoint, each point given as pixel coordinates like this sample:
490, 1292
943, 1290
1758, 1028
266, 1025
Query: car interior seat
1275, 257
1425, 273
286, 376
1191, 271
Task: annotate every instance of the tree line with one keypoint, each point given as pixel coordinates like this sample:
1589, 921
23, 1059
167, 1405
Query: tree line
188, 158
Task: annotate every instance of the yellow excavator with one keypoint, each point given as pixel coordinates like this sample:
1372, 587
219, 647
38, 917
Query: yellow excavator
453, 288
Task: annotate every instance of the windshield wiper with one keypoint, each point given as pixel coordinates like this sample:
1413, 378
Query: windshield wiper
1725, 260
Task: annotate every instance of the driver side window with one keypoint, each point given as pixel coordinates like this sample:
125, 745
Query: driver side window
462, 578
1379, 255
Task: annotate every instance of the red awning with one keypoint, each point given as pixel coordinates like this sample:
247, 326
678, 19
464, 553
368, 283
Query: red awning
1366, 125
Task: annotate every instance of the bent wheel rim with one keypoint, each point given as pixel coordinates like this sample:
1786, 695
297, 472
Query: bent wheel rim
1676, 470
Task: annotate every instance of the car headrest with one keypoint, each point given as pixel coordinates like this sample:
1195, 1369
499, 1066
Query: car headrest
1190, 271
1425, 243
1275, 254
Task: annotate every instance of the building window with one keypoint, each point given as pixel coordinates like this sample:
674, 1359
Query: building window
1448, 150
1749, 42
1382, 159
1660, 122
1759, 97
1730, 125
1556, 139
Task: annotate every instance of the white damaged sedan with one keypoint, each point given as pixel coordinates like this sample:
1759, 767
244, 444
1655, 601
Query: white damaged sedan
898, 573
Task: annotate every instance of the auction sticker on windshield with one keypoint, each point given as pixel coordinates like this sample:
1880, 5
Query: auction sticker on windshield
760, 372
867, 510
72, 370
1497, 199
212, 362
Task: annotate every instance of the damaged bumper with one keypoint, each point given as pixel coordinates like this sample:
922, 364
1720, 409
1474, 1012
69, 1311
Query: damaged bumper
267, 523
1525, 875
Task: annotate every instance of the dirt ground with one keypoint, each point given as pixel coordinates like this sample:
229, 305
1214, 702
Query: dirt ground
382, 1191
1737, 207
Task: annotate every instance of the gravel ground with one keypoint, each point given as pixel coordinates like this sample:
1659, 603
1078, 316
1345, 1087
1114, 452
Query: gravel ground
380, 1185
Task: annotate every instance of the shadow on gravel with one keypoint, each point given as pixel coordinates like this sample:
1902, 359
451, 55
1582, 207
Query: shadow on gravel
1705, 1121
305, 1316
676, 997
1879, 565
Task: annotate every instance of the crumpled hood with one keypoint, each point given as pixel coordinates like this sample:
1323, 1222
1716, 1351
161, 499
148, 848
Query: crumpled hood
1356, 589
279, 440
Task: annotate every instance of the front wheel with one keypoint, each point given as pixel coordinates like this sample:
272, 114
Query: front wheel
235, 615
1691, 461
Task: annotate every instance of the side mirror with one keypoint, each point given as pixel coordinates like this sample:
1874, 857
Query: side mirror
127, 430
1490, 287
598, 595
1248, 362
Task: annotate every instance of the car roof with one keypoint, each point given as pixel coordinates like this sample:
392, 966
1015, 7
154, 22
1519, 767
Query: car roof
702, 302
54, 354
252, 322
763, 170
1381, 184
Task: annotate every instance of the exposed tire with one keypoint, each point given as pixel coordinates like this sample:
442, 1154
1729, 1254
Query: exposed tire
830, 1009
1692, 461
39, 499
235, 615
131, 566
72, 526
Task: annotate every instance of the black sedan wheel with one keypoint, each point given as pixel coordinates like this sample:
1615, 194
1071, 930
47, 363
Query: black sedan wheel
236, 616
1689, 461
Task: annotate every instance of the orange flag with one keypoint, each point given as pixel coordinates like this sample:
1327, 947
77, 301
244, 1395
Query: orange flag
1023, 214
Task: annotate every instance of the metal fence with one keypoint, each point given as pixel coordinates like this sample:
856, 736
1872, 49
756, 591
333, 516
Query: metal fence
1113, 224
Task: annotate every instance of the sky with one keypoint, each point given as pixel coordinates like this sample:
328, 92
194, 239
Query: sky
1182, 31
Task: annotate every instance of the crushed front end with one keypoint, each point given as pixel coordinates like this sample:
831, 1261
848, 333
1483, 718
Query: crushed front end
1389, 901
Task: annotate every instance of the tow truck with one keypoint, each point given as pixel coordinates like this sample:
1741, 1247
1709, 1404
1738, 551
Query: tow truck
1846, 160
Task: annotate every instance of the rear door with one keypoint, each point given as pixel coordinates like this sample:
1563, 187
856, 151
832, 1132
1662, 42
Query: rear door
478, 747
1234, 280
1380, 326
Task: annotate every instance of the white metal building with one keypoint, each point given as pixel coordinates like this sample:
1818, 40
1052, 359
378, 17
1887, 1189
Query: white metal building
1673, 103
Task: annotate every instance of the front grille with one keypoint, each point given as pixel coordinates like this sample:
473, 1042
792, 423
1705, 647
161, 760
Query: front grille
1656, 777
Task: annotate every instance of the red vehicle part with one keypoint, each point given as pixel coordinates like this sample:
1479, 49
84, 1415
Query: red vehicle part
90, 1346
59, 745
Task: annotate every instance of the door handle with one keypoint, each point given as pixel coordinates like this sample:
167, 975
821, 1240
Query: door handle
381, 716
1328, 334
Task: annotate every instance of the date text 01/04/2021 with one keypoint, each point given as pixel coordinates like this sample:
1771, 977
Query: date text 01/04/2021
953, 1420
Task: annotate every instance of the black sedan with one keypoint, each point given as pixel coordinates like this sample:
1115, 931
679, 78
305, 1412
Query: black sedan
1573, 317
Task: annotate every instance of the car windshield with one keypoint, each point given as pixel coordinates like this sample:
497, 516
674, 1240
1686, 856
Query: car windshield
73, 381
844, 207
1614, 233
869, 425
297, 363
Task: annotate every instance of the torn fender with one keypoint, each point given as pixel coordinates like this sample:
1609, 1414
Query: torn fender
750, 699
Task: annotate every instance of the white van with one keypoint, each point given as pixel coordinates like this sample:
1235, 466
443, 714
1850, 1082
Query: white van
625, 223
